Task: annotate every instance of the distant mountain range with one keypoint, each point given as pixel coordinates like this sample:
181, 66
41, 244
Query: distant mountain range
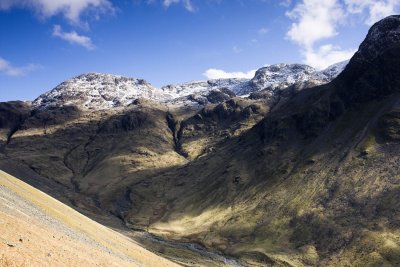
102, 91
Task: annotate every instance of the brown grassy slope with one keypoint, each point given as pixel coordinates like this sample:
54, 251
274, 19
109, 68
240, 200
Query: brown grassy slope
100, 154
37, 230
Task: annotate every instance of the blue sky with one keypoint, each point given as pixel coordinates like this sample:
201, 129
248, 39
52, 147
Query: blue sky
44, 42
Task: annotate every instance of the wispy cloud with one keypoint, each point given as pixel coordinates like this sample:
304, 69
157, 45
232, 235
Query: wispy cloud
186, 3
236, 49
221, 74
8, 69
70, 9
285, 3
73, 37
263, 31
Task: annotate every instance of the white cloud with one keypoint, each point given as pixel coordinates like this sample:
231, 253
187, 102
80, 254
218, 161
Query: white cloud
186, 3
375, 9
221, 74
73, 37
71, 9
10, 70
316, 20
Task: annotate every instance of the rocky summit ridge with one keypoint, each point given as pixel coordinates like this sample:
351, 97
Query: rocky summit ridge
382, 36
100, 91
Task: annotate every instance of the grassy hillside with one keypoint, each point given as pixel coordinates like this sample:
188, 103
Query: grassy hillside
37, 230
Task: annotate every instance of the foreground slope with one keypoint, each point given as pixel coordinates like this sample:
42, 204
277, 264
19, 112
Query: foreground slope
37, 230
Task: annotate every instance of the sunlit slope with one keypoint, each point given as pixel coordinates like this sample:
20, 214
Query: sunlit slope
37, 230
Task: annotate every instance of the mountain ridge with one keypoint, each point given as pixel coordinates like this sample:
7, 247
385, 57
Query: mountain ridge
102, 91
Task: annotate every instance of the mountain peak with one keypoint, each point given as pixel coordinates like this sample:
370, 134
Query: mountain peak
382, 35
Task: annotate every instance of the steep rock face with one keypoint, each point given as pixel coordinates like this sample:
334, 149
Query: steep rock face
381, 36
12, 115
199, 134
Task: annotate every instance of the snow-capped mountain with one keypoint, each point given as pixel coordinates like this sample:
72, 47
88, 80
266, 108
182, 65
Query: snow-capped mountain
269, 77
104, 91
285, 75
198, 91
101, 91
199, 87
334, 70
